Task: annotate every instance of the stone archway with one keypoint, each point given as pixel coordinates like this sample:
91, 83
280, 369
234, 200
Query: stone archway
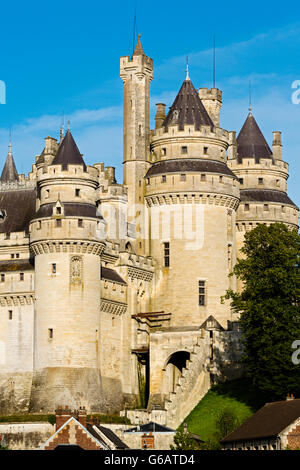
173, 369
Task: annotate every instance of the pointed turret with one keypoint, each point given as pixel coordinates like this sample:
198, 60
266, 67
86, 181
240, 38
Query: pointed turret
139, 48
68, 153
188, 108
251, 142
9, 173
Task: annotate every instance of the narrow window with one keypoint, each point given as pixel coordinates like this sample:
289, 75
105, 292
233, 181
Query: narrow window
282, 208
246, 207
47, 193
140, 183
166, 254
80, 223
260, 180
140, 129
266, 207
203, 177
39, 225
12, 256
58, 210
77, 192
201, 285
21, 276
164, 151
205, 150
277, 183
148, 181
50, 333
53, 268
58, 222
241, 180
184, 150
10, 314
163, 178
221, 179
17, 255
183, 177
2, 277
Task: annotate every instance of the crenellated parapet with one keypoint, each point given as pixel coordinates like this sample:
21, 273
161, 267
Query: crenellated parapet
172, 142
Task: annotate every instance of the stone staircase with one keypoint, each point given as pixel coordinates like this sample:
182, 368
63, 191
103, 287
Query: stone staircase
192, 385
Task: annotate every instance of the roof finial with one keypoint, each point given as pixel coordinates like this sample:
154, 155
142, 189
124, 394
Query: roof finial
62, 127
214, 62
9, 143
250, 104
187, 68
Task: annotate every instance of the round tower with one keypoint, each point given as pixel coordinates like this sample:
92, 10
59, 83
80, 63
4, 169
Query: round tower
192, 197
263, 178
64, 241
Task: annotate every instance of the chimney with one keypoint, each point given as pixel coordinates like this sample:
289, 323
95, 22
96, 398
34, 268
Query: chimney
81, 416
232, 149
290, 397
160, 115
62, 415
148, 441
277, 145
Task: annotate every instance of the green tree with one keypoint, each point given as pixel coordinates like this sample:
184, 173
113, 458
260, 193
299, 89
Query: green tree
182, 441
226, 422
269, 307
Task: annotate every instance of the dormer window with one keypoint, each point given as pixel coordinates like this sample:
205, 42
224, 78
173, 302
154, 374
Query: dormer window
58, 210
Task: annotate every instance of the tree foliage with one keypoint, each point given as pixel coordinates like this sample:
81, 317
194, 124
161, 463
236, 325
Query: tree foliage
226, 422
182, 441
269, 307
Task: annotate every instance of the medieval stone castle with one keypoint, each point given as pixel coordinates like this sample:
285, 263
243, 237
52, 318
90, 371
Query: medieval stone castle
110, 294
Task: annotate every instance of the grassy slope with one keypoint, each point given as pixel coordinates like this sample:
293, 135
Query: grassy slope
238, 395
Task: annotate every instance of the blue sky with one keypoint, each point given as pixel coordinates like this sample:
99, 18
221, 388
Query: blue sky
64, 57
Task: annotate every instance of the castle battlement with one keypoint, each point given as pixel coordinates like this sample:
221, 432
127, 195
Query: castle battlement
189, 131
52, 172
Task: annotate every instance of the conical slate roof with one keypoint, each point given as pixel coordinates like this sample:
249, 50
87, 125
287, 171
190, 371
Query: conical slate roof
139, 48
68, 153
251, 142
187, 108
9, 172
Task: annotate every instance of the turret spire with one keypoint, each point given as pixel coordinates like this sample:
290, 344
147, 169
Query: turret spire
251, 142
188, 108
9, 173
139, 48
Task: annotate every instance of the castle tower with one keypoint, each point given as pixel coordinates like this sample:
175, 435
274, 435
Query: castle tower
192, 197
263, 178
136, 73
64, 242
